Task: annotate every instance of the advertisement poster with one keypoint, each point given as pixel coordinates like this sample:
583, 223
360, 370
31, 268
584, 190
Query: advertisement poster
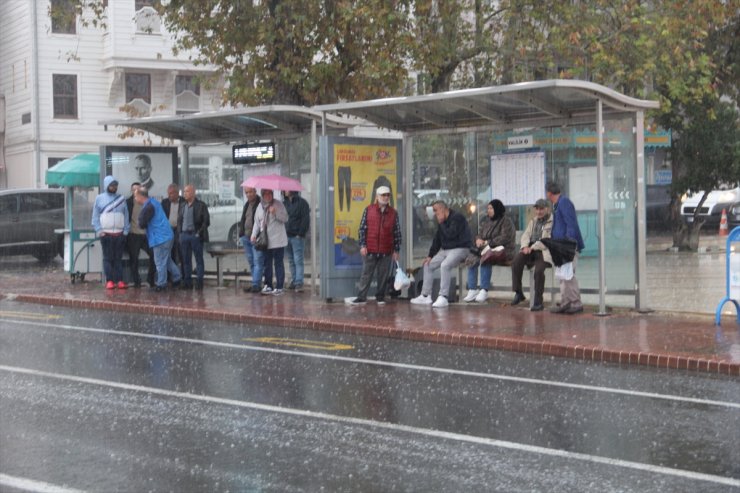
358, 171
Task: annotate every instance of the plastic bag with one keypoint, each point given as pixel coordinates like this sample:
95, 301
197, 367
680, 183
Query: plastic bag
401, 280
564, 272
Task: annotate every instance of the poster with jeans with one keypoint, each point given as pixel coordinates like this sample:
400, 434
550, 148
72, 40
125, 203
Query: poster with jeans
359, 169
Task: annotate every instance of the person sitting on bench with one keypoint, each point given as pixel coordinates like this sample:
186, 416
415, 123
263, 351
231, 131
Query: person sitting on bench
533, 253
449, 248
495, 231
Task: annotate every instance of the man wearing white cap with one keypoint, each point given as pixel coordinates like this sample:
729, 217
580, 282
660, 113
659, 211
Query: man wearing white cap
380, 243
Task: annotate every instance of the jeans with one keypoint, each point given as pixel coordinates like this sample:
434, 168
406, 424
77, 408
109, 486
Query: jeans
248, 252
191, 245
263, 263
112, 256
344, 185
294, 250
163, 261
485, 276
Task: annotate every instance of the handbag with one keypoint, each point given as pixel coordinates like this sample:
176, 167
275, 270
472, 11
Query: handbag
260, 242
401, 280
492, 256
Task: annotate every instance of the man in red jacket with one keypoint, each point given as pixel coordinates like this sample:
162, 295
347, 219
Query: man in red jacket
380, 242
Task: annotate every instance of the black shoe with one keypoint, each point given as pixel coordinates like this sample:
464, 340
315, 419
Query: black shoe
561, 308
291, 287
137, 285
176, 285
199, 286
157, 289
518, 298
537, 307
254, 289
357, 301
572, 310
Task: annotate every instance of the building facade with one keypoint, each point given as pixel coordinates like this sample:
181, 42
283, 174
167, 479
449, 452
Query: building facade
60, 75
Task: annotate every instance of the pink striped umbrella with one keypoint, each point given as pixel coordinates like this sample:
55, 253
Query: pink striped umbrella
273, 182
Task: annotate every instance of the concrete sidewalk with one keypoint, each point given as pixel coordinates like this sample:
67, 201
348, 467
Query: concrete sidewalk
661, 340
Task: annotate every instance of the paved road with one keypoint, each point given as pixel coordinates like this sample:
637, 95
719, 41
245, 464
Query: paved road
98, 401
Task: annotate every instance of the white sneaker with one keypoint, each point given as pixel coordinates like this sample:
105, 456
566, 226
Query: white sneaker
422, 300
441, 302
277, 292
472, 296
267, 290
482, 296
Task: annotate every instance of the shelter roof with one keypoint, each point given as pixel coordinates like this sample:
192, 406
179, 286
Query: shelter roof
236, 125
524, 104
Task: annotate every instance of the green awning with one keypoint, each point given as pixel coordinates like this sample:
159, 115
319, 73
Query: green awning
82, 170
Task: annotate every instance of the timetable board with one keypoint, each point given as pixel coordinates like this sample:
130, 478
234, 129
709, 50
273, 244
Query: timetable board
518, 179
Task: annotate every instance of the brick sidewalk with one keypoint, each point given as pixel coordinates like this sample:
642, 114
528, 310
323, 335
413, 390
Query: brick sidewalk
658, 339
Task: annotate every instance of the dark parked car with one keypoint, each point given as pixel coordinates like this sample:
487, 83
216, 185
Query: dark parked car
28, 218
658, 207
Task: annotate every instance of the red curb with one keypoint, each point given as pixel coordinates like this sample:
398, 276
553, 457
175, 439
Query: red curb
440, 336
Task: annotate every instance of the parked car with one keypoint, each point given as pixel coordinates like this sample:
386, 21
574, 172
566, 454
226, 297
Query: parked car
28, 218
225, 215
658, 207
711, 209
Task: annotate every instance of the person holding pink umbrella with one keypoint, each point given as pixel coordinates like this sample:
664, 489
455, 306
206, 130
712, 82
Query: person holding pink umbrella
270, 219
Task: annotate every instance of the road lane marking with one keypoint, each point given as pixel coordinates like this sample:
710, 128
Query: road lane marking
392, 364
33, 485
29, 315
302, 343
385, 425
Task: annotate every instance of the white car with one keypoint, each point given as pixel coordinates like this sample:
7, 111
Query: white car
711, 209
225, 215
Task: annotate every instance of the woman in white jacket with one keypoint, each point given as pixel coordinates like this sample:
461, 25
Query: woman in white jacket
270, 219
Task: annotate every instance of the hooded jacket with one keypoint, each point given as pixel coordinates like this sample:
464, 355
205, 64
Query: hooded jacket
299, 215
274, 223
110, 214
499, 230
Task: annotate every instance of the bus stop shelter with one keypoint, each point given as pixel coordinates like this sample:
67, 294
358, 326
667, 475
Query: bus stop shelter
610, 184
608, 187
239, 126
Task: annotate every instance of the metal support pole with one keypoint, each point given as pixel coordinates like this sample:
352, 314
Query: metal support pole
601, 214
184, 165
314, 208
407, 180
641, 294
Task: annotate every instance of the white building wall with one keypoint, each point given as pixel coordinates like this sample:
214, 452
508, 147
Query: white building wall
99, 58
16, 71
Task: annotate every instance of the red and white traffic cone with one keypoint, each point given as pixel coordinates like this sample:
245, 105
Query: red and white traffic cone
723, 231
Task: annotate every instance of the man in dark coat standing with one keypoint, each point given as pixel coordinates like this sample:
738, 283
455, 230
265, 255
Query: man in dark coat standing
192, 225
246, 223
171, 207
299, 218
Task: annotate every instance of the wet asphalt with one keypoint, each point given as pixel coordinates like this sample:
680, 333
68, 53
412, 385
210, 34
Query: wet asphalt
102, 401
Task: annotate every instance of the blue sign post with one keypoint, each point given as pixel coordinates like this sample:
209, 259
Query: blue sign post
732, 280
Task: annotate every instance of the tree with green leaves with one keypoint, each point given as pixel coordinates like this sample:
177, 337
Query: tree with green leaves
301, 52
